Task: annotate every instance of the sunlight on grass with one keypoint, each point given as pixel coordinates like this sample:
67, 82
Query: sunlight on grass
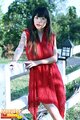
71, 69
19, 87
73, 113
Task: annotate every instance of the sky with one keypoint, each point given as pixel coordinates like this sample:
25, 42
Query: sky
75, 3
5, 5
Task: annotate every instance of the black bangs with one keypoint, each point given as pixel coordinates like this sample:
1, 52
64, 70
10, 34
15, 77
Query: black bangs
41, 12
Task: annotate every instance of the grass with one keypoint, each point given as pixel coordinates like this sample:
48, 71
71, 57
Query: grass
70, 87
71, 69
73, 113
19, 87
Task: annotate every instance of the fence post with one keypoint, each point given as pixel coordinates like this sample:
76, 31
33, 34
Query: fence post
7, 82
4, 86
6, 73
62, 66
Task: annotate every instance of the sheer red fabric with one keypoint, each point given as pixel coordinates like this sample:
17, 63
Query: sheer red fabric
45, 83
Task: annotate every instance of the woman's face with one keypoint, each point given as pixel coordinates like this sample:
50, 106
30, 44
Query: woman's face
40, 22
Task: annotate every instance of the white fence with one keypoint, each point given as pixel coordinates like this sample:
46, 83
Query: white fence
6, 74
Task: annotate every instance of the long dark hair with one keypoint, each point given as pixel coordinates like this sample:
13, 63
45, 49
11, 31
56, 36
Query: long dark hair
40, 11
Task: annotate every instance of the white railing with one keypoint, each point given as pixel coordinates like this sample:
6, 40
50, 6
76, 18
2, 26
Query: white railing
6, 74
76, 50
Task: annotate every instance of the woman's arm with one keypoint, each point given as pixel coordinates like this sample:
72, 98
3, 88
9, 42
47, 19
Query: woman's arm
19, 50
52, 58
44, 61
48, 60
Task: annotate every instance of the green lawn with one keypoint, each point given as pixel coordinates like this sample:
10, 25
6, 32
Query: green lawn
19, 87
73, 113
72, 69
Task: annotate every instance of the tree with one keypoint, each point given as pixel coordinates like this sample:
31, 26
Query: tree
17, 18
68, 26
1, 24
62, 31
74, 25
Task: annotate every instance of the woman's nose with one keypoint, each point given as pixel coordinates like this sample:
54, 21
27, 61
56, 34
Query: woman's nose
39, 19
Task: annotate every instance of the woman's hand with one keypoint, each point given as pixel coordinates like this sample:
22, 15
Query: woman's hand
30, 64
12, 65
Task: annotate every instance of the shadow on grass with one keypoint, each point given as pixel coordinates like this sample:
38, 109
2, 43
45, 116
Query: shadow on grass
19, 93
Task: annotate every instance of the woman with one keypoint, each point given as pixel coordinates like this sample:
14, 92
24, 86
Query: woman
45, 84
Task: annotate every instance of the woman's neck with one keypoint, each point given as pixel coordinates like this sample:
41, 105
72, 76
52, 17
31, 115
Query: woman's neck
40, 34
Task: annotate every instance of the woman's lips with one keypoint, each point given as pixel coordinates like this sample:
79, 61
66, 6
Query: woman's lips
38, 25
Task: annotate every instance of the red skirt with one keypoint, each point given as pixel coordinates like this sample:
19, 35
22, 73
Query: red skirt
46, 86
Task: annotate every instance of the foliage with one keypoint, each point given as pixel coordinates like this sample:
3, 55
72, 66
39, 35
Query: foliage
74, 25
72, 87
20, 11
68, 26
73, 113
17, 18
62, 32
1, 24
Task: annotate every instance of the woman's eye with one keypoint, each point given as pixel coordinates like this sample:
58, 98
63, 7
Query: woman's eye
36, 17
43, 18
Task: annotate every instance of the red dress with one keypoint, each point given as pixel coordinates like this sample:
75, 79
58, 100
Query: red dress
45, 83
